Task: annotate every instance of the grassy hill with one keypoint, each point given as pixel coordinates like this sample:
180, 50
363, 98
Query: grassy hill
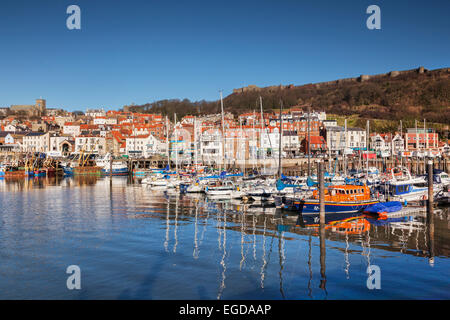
397, 95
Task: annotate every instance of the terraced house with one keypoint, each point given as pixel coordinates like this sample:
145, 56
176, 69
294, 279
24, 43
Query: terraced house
36, 142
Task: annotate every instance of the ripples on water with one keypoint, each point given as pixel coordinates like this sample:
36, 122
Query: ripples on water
134, 243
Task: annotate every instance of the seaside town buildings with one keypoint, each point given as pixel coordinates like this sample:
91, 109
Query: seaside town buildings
245, 137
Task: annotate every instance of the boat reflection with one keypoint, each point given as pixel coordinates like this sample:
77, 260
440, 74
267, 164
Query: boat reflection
408, 234
248, 233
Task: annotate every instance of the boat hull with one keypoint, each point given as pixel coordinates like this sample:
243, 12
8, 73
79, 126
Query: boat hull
18, 174
116, 172
311, 206
40, 173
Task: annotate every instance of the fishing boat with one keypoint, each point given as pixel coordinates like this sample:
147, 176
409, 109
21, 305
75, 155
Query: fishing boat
87, 171
261, 193
82, 170
372, 177
161, 181
224, 190
51, 172
40, 173
403, 187
195, 187
143, 173
157, 180
82, 164
445, 178
443, 196
119, 168
338, 199
16, 172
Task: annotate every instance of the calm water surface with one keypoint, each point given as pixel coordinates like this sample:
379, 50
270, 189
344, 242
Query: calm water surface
134, 243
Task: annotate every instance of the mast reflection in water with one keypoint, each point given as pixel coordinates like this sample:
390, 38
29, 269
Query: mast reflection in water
134, 243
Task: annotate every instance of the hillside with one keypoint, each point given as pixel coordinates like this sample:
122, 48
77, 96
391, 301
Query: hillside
397, 95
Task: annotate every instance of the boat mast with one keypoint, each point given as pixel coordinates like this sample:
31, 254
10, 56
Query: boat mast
309, 143
253, 143
367, 147
245, 149
345, 148
176, 139
262, 135
280, 134
425, 145
417, 149
167, 142
223, 132
401, 137
195, 144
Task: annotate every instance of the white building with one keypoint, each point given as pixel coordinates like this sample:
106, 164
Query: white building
397, 144
335, 136
61, 145
356, 138
329, 123
290, 143
271, 142
61, 120
387, 143
99, 120
144, 145
93, 144
16, 140
12, 128
111, 120
105, 120
139, 130
181, 142
211, 146
378, 143
95, 113
36, 142
71, 129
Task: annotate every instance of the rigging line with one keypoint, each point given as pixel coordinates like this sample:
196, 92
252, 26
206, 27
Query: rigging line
166, 242
268, 256
310, 266
254, 238
264, 254
205, 223
176, 226
219, 230
222, 263
347, 262
281, 264
242, 241
195, 253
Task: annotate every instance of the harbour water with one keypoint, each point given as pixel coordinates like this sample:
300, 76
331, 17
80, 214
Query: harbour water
134, 243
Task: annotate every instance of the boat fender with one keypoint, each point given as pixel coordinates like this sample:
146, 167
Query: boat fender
382, 216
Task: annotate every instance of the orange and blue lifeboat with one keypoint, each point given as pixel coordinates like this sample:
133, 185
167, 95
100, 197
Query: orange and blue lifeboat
338, 199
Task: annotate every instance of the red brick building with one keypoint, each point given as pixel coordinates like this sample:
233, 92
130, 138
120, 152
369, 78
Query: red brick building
317, 144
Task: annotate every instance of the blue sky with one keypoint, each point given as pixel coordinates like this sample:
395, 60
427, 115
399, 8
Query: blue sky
140, 51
